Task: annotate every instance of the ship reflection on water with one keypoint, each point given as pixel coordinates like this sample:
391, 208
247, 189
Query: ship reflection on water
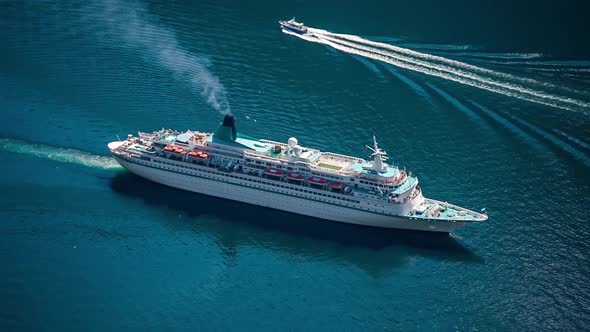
234, 224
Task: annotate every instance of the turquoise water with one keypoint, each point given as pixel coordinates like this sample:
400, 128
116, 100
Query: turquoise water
88, 246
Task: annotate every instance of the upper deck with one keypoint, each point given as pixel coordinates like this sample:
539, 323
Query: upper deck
281, 153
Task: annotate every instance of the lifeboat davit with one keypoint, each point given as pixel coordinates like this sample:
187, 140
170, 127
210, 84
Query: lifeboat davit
298, 177
273, 171
315, 180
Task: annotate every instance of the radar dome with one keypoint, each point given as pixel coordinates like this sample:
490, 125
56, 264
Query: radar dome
297, 150
292, 142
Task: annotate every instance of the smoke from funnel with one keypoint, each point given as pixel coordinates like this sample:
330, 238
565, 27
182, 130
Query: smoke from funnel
141, 31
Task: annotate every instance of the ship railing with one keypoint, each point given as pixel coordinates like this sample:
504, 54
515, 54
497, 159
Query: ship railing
258, 155
416, 192
343, 171
263, 157
184, 145
274, 143
282, 159
340, 157
398, 179
283, 162
386, 180
285, 145
459, 209
179, 163
147, 136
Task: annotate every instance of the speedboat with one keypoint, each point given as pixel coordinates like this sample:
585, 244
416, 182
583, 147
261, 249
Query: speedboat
294, 26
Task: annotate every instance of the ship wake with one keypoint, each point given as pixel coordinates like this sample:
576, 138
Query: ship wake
64, 155
453, 70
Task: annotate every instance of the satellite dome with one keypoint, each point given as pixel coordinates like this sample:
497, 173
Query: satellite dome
297, 150
292, 142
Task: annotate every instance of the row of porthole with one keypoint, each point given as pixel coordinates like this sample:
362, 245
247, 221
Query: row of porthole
259, 181
309, 197
271, 184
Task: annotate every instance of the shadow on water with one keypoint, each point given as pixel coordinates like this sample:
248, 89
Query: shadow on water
235, 224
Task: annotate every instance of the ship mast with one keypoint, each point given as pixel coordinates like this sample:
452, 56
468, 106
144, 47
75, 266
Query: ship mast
379, 157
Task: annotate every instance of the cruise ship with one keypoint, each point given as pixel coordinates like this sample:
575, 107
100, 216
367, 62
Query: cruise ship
289, 177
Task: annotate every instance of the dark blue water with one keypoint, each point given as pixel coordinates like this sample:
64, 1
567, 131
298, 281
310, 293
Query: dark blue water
87, 246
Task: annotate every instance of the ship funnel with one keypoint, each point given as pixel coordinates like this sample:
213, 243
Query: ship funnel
227, 129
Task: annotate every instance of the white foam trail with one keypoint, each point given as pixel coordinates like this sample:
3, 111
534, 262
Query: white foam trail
71, 156
491, 85
427, 64
131, 21
554, 63
373, 54
434, 47
429, 57
507, 56
385, 39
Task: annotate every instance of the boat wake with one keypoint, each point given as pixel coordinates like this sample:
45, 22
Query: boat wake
509, 125
370, 65
452, 70
573, 139
517, 124
459, 105
71, 156
499, 56
564, 146
409, 82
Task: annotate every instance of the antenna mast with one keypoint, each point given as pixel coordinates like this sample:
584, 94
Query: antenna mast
379, 157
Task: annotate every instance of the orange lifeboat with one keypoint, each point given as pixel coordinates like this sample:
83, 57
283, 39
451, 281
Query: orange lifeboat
297, 177
336, 185
193, 154
318, 182
203, 155
273, 171
168, 148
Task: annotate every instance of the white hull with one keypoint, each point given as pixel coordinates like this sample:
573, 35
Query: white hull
283, 202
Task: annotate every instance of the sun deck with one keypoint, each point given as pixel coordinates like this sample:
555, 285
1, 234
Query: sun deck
336, 162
